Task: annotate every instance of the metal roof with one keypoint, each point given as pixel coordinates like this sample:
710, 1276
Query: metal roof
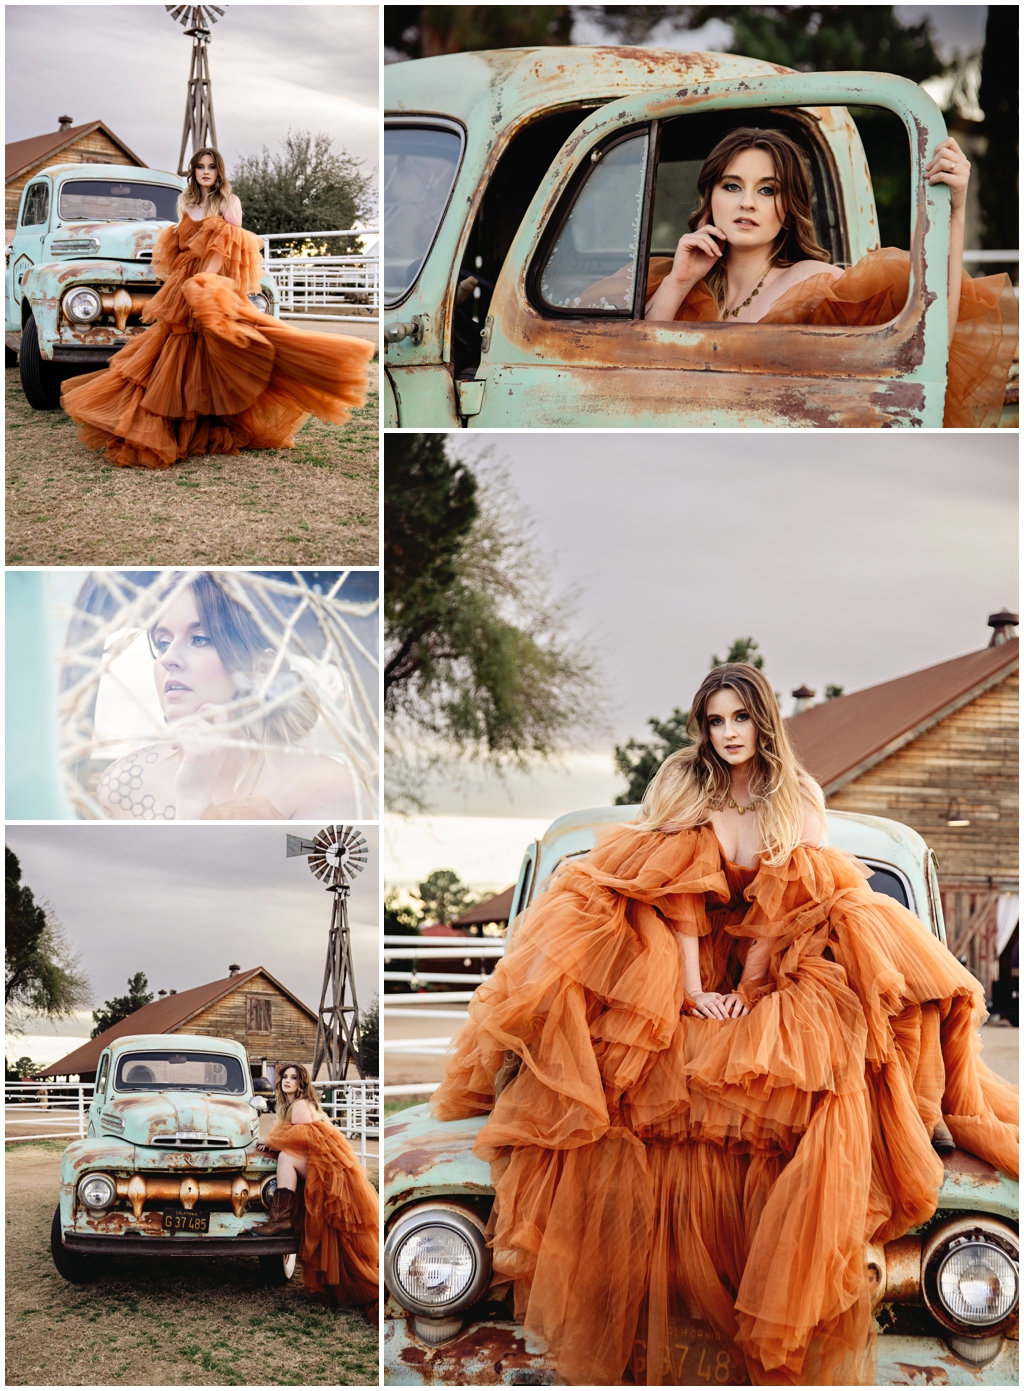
492, 910
163, 1016
22, 155
843, 738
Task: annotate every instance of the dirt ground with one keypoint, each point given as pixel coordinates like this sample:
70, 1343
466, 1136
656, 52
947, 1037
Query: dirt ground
316, 504
161, 1323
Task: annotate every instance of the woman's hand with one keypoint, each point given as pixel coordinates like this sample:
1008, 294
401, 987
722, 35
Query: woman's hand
734, 1005
202, 758
261, 1148
949, 165
711, 1005
696, 253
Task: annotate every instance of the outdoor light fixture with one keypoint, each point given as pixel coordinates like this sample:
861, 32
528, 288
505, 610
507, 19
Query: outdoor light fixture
954, 816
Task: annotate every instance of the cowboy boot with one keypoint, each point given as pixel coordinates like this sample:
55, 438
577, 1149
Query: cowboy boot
942, 1140
282, 1210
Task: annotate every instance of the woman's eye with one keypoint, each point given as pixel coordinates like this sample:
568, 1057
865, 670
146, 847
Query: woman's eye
742, 716
715, 719
199, 641
161, 644
730, 187
767, 191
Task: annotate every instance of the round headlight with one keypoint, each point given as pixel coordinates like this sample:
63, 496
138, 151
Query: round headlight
977, 1284
97, 1191
436, 1260
83, 305
261, 303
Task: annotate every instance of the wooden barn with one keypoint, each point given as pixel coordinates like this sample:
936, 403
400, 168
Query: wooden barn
250, 1007
93, 143
938, 751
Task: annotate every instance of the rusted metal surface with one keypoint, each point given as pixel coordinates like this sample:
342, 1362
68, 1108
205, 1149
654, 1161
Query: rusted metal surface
903, 1270
484, 1354
559, 373
424, 1157
905, 1361
188, 1170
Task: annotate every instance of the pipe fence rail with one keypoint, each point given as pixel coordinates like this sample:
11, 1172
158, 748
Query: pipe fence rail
325, 282
423, 1004
59, 1111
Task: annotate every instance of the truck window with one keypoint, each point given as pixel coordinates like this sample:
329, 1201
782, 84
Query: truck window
886, 881
113, 200
101, 1076
420, 165
592, 265
37, 206
161, 1070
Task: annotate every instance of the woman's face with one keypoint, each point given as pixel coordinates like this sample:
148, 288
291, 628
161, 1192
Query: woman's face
188, 670
745, 203
289, 1081
733, 732
206, 171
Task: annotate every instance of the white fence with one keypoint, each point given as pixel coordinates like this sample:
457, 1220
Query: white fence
426, 951
59, 1111
325, 282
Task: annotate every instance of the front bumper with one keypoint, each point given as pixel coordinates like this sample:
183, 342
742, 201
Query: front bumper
494, 1353
177, 1244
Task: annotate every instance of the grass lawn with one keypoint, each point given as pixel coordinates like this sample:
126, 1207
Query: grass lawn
316, 504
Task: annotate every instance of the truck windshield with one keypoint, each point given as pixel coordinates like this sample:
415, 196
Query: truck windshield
107, 200
420, 164
163, 1070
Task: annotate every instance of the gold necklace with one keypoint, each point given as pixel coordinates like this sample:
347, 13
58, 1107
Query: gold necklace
742, 810
734, 313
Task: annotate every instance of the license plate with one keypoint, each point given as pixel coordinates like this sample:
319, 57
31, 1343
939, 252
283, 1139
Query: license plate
176, 1220
696, 1358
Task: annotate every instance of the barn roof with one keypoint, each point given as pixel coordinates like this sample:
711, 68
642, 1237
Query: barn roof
22, 155
492, 910
163, 1016
843, 738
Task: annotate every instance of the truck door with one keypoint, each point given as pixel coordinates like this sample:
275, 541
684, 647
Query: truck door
33, 224
556, 355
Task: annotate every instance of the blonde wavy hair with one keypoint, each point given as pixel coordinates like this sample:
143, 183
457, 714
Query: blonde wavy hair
306, 1092
192, 195
693, 783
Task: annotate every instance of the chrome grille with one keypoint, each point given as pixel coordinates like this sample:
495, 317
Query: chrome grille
190, 1141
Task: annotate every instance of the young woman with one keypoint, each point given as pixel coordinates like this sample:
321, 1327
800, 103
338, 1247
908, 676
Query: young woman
236, 751
337, 1217
752, 255
213, 375
733, 1063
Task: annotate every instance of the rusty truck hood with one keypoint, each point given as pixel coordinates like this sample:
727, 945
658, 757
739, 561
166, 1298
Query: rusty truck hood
149, 1118
424, 1158
118, 241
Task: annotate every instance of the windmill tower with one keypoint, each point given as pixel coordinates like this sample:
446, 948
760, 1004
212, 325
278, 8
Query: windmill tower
335, 856
199, 126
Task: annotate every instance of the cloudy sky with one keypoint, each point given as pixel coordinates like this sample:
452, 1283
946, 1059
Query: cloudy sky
273, 67
183, 903
851, 558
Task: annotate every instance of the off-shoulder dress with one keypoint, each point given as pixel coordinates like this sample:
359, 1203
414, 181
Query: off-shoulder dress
651, 1166
213, 375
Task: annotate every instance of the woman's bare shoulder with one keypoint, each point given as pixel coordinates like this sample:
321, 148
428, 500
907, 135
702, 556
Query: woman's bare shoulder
313, 785
806, 270
126, 785
301, 1113
233, 211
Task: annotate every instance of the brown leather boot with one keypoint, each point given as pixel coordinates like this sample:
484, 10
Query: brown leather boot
942, 1139
282, 1210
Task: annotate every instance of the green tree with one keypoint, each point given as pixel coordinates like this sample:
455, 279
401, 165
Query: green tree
21, 1069
369, 1039
400, 919
444, 896
638, 761
478, 661
122, 1006
308, 186
423, 31
833, 692
42, 974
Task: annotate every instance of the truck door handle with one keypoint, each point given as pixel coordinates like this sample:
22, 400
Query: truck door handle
416, 330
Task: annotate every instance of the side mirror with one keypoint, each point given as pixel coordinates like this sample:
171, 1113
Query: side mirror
258, 1103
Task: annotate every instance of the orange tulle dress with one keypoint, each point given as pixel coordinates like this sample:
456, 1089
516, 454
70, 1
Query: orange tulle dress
340, 1214
213, 375
873, 292
652, 1167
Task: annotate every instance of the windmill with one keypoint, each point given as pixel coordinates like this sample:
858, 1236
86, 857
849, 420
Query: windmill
199, 126
335, 856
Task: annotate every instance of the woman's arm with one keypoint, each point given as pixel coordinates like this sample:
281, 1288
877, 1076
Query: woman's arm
949, 165
708, 1003
695, 254
233, 212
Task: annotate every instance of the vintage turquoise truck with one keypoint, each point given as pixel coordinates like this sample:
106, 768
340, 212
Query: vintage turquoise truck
80, 271
169, 1165
513, 177
438, 1196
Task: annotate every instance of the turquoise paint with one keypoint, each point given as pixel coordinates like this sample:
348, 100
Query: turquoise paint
34, 789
